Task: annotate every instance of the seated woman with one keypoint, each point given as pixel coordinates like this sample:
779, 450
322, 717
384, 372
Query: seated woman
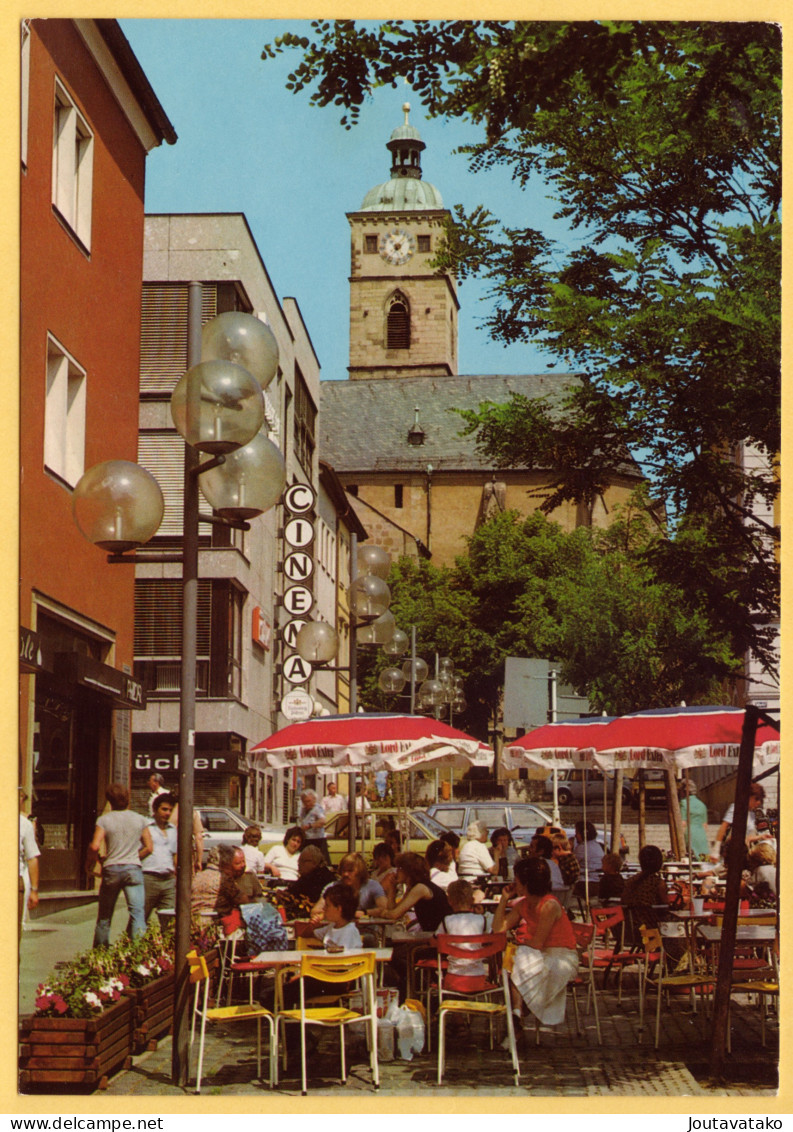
503, 840
440, 859
475, 860
281, 860
384, 872
254, 858
548, 960
641, 892
422, 895
369, 893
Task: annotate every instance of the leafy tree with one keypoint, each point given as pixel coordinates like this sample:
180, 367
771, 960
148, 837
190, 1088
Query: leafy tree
661, 143
588, 600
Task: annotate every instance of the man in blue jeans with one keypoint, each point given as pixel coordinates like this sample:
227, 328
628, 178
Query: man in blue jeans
127, 840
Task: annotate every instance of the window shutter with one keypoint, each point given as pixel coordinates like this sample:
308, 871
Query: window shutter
158, 618
398, 326
163, 338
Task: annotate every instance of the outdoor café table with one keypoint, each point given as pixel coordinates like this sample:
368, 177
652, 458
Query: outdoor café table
410, 942
379, 924
691, 920
759, 934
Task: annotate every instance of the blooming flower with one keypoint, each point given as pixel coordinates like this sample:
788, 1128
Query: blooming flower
93, 999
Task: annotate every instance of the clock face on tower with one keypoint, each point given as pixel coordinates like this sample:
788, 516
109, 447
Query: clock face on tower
397, 246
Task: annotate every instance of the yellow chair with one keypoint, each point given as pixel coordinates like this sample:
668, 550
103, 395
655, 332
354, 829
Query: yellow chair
763, 989
654, 954
199, 976
335, 969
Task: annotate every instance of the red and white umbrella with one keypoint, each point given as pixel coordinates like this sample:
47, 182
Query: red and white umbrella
377, 741
681, 738
566, 745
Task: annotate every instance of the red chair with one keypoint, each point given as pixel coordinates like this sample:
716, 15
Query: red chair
584, 939
454, 1000
605, 956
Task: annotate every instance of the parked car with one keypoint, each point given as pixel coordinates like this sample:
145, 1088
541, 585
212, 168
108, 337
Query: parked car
570, 786
654, 788
224, 826
372, 828
522, 819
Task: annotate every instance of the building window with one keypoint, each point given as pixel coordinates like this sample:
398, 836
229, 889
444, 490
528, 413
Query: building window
370, 245
305, 422
158, 637
423, 243
64, 415
398, 324
398, 494
72, 166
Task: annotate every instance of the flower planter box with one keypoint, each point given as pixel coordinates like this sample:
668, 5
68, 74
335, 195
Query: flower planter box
76, 1051
152, 1012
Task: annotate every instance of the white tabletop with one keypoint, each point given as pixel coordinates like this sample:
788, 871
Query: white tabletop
277, 958
746, 933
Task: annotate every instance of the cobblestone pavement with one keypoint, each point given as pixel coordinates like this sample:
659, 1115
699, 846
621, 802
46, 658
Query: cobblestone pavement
564, 1064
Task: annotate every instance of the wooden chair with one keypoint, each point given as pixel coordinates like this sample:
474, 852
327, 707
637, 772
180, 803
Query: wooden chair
334, 970
199, 976
655, 957
459, 1002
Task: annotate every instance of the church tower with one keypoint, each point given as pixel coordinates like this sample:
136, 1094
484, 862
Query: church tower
403, 314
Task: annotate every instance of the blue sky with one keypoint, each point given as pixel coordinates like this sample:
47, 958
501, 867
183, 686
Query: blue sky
246, 144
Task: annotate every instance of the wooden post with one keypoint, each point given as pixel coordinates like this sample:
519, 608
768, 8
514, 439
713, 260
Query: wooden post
732, 895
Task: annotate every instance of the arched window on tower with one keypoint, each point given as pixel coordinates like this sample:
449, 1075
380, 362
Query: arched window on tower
398, 323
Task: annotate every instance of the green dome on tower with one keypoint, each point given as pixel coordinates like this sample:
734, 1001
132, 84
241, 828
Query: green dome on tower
405, 192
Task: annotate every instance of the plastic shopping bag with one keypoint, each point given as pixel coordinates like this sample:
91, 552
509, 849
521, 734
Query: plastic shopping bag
410, 1029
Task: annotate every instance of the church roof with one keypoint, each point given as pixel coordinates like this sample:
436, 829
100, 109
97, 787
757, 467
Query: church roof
364, 424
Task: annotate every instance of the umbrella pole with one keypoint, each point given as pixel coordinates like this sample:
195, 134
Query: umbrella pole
586, 854
688, 837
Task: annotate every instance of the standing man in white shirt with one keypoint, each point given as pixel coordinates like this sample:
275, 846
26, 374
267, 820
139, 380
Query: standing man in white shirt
334, 802
159, 866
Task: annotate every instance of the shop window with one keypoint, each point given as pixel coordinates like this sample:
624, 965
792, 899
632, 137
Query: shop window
72, 166
64, 415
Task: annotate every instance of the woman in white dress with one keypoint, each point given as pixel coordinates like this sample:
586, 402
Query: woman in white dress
546, 962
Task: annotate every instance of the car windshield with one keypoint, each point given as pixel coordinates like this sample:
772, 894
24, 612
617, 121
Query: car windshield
431, 824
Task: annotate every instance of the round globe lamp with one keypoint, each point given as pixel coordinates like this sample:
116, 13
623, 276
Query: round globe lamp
248, 483
317, 642
373, 560
117, 505
243, 339
391, 680
377, 632
369, 597
398, 645
432, 693
417, 668
217, 406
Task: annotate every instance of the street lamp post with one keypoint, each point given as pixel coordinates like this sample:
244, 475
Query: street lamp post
218, 408
368, 601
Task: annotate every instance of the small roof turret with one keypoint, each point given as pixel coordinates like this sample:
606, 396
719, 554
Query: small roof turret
405, 191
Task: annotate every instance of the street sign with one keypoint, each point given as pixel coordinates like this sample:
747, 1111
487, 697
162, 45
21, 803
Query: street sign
297, 705
300, 498
297, 670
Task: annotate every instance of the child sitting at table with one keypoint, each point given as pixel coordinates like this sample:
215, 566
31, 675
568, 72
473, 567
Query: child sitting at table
340, 930
611, 884
463, 974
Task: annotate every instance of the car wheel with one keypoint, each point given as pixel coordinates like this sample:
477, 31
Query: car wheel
565, 797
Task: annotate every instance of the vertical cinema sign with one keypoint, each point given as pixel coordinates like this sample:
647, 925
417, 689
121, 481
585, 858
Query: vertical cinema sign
299, 501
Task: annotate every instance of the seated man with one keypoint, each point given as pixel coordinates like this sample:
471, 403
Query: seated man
313, 874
